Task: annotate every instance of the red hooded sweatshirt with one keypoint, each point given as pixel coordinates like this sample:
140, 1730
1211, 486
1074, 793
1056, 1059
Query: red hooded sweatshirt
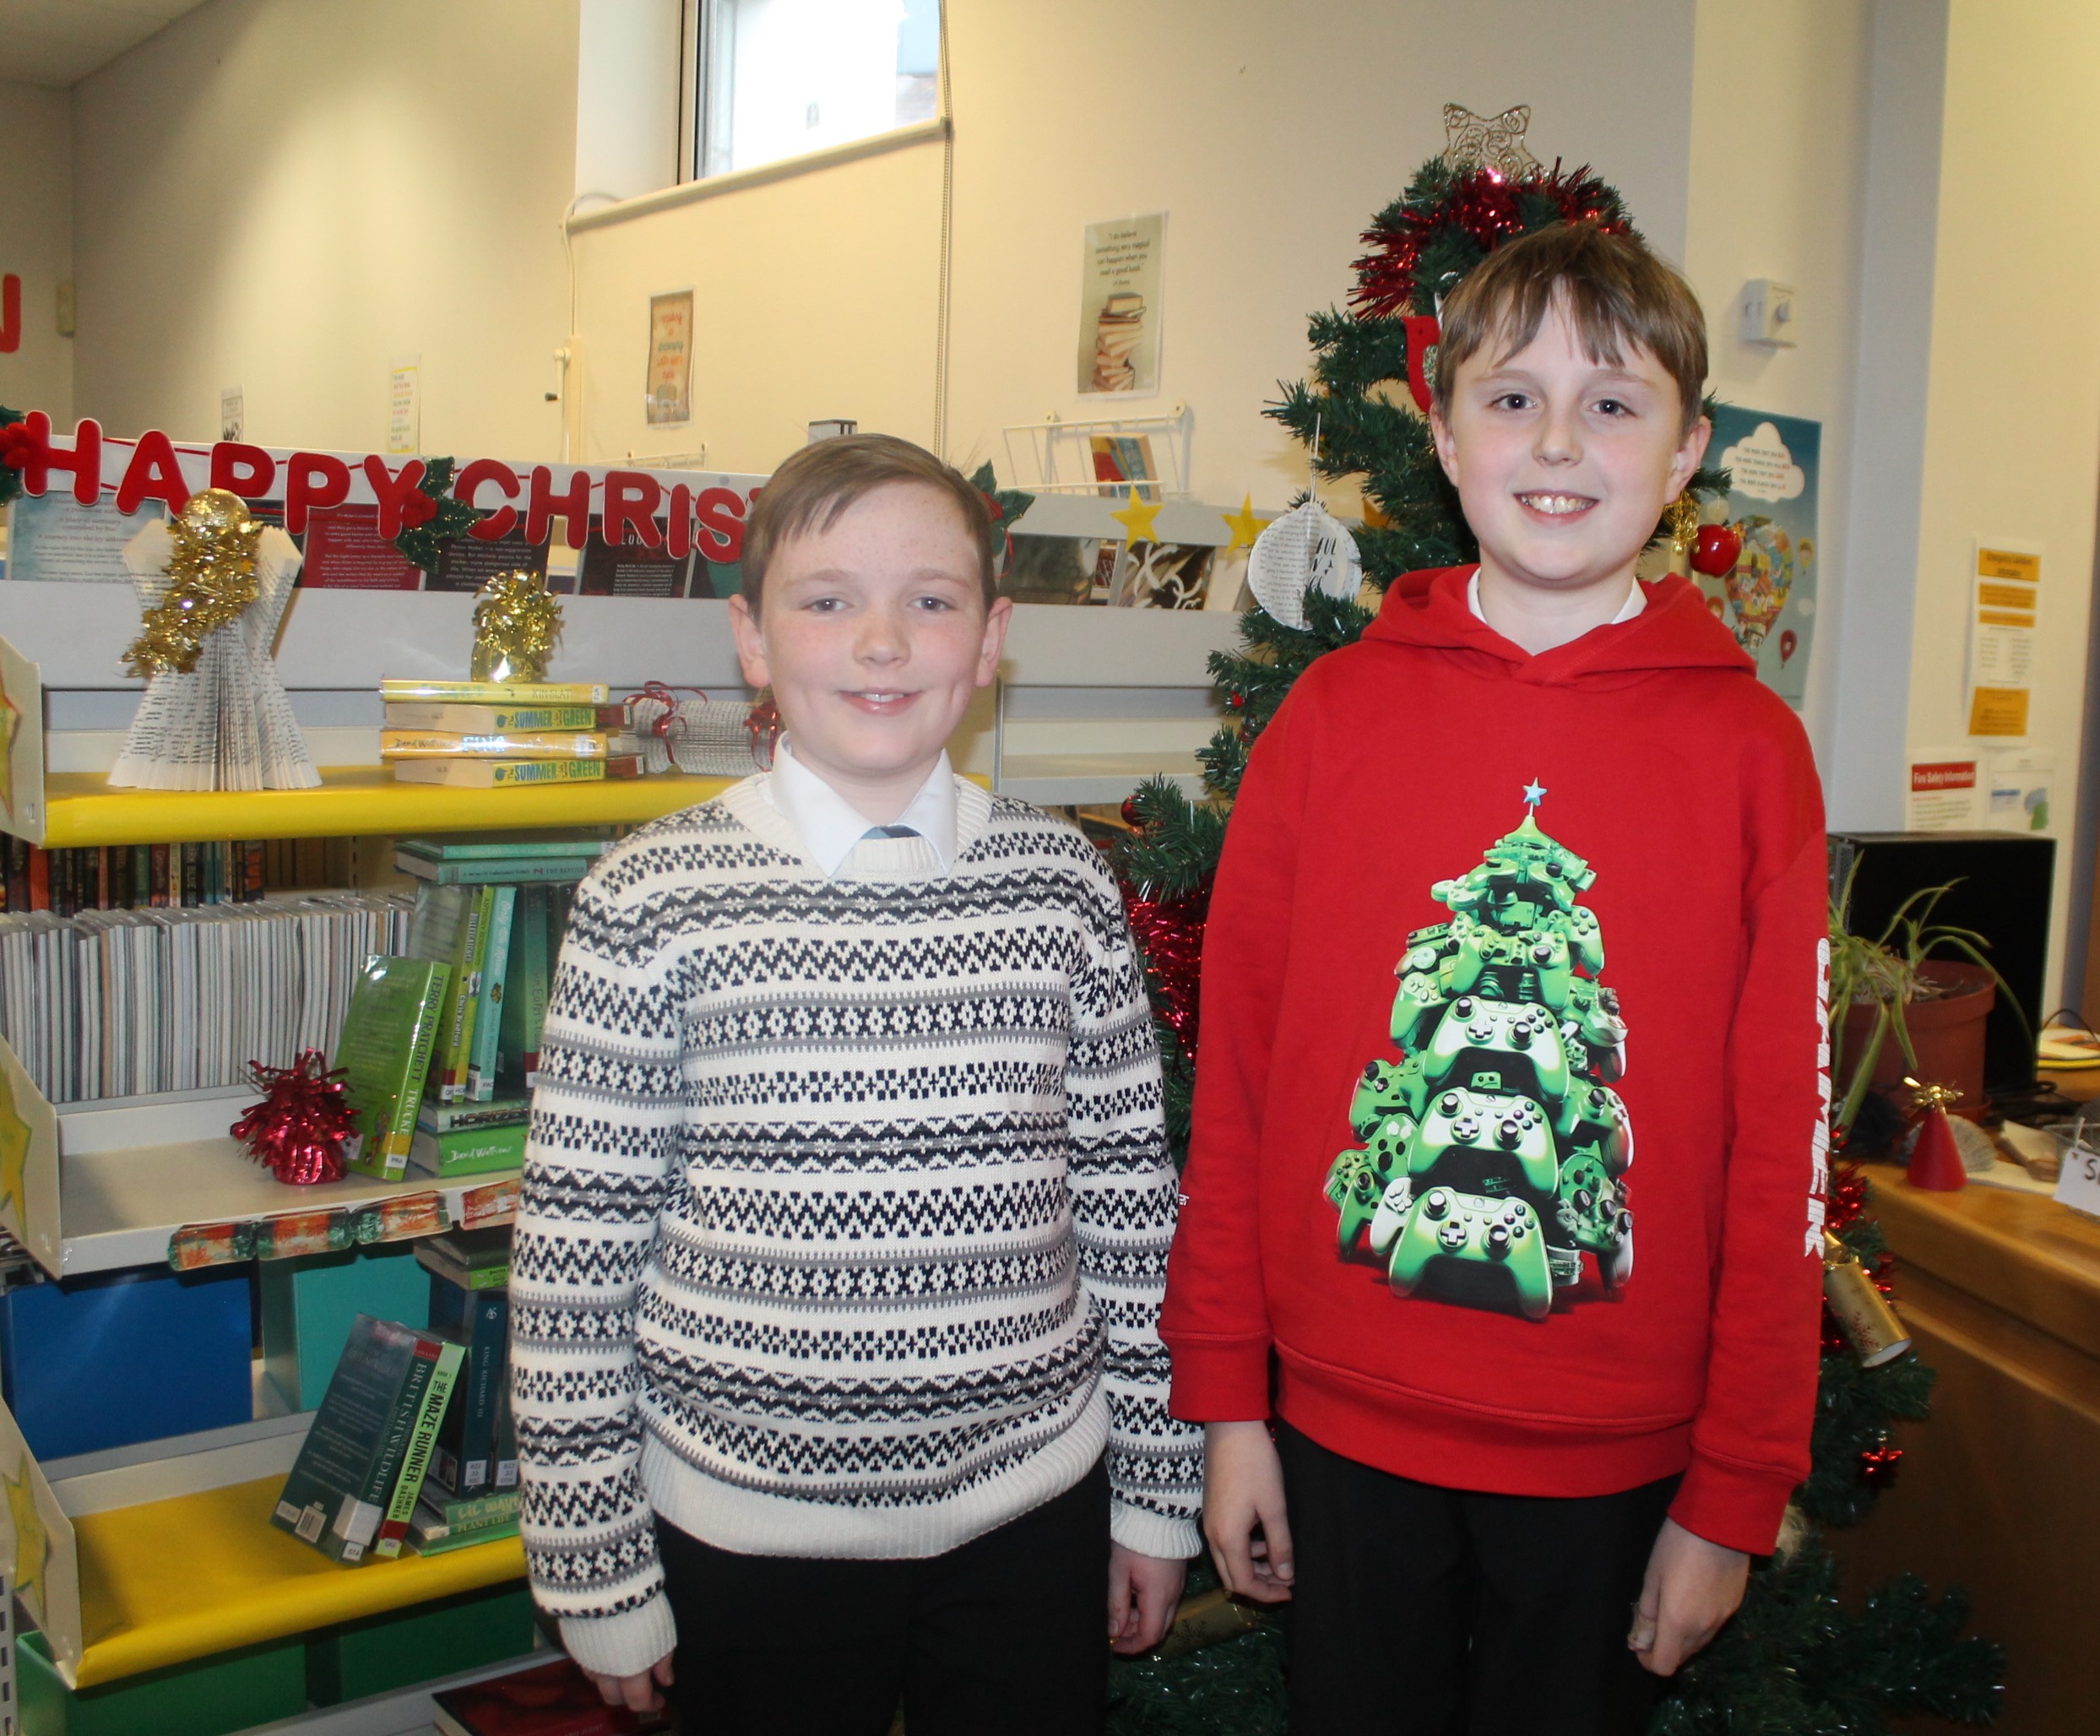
1515, 966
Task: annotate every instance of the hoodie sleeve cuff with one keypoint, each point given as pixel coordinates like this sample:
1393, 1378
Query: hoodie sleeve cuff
1220, 1379
1737, 1506
622, 1645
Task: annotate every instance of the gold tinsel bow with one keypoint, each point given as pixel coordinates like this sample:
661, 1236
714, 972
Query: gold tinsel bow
211, 580
516, 622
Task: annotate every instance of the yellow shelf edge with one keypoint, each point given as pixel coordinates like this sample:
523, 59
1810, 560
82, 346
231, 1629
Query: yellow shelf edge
81, 809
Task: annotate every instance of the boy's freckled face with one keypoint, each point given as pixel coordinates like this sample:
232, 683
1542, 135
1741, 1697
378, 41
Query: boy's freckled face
873, 634
1564, 463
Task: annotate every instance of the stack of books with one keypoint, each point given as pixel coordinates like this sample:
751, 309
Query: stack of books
471, 1494
491, 907
354, 1489
499, 735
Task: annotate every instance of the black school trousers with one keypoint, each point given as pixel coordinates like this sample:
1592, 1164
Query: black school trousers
1005, 1635
1423, 1611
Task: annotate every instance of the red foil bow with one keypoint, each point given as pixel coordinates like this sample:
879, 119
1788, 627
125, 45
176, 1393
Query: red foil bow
298, 1131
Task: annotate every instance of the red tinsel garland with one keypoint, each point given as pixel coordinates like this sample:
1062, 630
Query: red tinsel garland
1488, 209
1169, 932
298, 1130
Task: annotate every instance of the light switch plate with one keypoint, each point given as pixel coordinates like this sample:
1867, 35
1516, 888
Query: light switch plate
1769, 314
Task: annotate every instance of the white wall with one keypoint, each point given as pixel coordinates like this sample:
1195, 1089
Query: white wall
287, 197
1778, 157
37, 243
1270, 135
1269, 139
2012, 432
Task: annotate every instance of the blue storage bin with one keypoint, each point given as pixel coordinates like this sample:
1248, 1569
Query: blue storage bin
119, 1357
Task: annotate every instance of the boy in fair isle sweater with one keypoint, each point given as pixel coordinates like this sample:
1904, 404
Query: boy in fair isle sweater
847, 1203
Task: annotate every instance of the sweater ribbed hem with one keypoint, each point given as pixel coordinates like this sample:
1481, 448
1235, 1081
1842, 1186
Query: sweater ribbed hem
1152, 1533
622, 1645
749, 1522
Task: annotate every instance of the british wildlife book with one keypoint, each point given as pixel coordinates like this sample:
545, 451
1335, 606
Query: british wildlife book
350, 1469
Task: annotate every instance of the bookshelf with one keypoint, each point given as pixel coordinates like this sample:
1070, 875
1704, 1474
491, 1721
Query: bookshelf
80, 808
132, 1174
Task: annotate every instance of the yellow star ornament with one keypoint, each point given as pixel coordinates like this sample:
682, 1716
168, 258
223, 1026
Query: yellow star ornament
14, 1157
1137, 518
1246, 525
32, 1543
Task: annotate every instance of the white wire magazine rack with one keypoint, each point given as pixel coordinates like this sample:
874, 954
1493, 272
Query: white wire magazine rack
1056, 457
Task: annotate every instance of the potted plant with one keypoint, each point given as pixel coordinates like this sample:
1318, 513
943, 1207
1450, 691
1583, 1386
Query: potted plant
1893, 983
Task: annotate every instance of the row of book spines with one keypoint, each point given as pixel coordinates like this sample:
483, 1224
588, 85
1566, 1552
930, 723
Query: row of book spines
492, 1008
471, 773
131, 876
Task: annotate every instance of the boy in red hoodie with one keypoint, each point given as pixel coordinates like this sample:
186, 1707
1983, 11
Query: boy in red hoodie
1500, 1471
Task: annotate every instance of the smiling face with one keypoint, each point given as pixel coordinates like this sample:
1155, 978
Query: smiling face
872, 633
1564, 463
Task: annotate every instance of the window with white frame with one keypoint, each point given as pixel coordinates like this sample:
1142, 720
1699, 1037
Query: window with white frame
775, 78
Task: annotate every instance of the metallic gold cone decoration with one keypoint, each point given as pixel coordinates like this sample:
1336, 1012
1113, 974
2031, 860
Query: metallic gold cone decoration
211, 580
1863, 1313
516, 622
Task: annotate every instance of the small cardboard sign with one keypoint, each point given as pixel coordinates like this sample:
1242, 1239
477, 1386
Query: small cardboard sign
2078, 1185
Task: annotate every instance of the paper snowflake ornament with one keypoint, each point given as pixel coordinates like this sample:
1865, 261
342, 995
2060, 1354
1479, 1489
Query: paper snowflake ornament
1493, 141
1307, 548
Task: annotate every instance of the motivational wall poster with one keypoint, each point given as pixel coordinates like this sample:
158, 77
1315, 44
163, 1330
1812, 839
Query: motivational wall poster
1119, 306
669, 386
1767, 599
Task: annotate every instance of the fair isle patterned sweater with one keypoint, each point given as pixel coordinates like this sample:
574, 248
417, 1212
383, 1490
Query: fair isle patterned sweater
846, 1209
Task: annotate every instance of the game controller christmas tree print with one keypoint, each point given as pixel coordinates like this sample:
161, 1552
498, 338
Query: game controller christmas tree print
1495, 1151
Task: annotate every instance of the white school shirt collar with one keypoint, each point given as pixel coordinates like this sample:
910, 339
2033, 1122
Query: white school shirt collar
830, 826
1632, 606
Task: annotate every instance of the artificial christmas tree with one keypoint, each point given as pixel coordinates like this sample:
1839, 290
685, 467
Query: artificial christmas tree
1527, 1161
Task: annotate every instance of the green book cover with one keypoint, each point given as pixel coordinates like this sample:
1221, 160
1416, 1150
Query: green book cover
343, 1482
428, 1417
488, 1005
438, 931
469, 846
525, 996
468, 1150
480, 1321
429, 1536
500, 1111
385, 1048
475, 1259
467, 1512
459, 1040
490, 870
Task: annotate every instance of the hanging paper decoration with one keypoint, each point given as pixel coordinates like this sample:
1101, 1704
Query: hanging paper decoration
516, 622
213, 584
1307, 548
298, 1131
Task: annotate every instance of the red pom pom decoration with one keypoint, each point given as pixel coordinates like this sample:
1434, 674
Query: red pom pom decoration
16, 447
298, 1131
417, 509
1716, 551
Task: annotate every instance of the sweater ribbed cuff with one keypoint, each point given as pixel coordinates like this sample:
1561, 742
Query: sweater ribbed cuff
1737, 1506
622, 1645
1151, 1534
1219, 1380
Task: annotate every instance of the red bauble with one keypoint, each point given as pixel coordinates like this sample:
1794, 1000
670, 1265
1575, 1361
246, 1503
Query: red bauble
1935, 1161
1131, 816
298, 1130
1878, 1465
1235, 702
1716, 551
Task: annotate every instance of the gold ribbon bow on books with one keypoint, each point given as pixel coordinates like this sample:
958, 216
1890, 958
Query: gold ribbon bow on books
211, 580
516, 622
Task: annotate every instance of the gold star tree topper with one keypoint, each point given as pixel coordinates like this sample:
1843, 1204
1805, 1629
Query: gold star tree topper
1494, 142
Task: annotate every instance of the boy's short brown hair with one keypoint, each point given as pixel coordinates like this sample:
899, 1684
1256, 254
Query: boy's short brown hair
809, 492
1617, 294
